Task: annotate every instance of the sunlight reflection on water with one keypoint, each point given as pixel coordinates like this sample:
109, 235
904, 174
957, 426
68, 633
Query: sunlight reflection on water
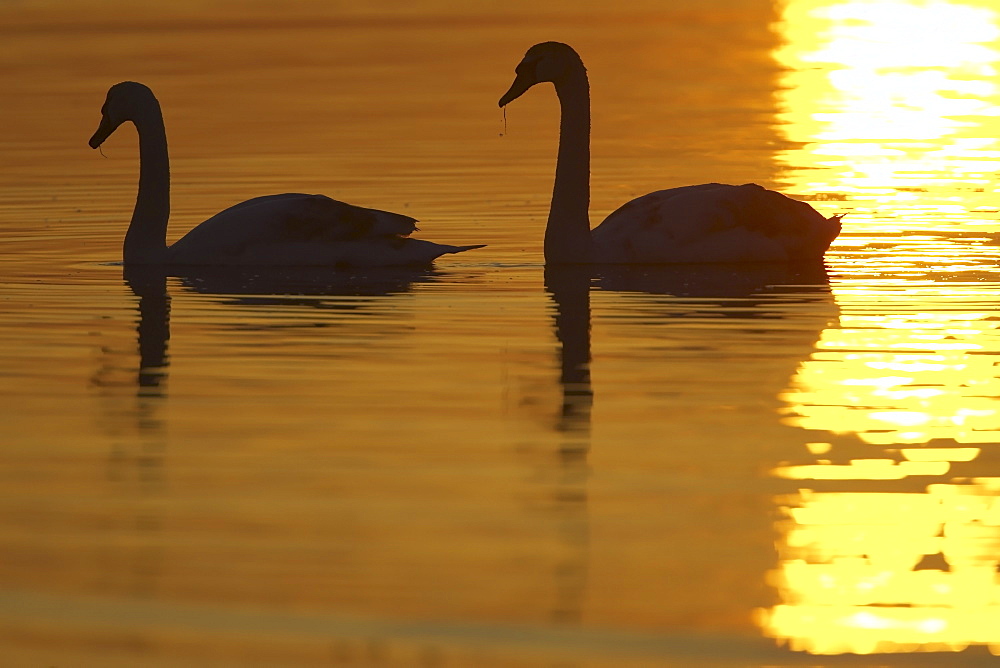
895, 106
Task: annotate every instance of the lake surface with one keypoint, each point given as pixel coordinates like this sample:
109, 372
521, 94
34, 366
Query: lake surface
488, 463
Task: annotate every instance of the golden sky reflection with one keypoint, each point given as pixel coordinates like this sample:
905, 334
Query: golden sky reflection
892, 111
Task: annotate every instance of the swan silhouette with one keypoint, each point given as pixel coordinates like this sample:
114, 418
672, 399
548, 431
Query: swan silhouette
711, 222
286, 229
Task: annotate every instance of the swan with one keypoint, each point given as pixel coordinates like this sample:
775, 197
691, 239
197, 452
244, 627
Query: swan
711, 222
285, 229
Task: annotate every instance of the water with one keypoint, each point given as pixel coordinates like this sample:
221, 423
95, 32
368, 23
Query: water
759, 466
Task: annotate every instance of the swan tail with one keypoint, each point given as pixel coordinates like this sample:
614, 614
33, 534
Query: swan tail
835, 221
405, 251
833, 229
462, 249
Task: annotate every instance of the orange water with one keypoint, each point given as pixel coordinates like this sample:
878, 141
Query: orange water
313, 469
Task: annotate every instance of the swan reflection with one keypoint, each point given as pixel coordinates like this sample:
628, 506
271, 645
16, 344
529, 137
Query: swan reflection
322, 289
569, 288
316, 287
153, 326
132, 418
371, 303
730, 309
720, 281
313, 287
134, 408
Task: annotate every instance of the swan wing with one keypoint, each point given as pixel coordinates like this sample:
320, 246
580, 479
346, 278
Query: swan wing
714, 223
279, 222
299, 229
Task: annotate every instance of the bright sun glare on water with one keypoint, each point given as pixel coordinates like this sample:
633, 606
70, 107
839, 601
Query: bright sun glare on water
880, 93
892, 108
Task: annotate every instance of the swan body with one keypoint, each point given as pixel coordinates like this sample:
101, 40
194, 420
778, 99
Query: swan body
285, 229
711, 222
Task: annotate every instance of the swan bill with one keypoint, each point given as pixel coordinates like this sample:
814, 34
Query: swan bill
104, 131
522, 82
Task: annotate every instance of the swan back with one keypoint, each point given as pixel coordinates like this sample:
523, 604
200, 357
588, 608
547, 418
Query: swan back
714, 222
279, 229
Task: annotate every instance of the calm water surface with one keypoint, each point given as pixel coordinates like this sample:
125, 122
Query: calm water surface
758, 466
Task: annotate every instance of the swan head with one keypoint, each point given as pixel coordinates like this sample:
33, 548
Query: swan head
124, 102
548, 61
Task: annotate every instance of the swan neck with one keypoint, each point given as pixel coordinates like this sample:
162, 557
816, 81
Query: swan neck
567, 236
146, 239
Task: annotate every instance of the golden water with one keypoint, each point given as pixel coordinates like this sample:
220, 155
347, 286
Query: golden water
314, 469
